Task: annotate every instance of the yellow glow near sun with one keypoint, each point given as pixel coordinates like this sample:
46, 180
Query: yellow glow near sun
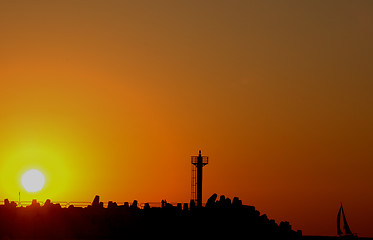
33, 180
52, 158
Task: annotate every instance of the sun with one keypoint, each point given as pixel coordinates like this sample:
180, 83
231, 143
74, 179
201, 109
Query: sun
33, 180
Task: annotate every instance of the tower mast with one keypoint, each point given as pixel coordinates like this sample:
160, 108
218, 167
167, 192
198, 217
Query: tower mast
198, 162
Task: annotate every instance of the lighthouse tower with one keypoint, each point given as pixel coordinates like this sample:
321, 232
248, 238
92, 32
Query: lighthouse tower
198, 162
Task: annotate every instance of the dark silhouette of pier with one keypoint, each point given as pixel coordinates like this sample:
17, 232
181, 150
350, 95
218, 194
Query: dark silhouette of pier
219, 218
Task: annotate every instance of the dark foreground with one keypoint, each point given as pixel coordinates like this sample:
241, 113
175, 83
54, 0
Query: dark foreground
219, 219
329, 238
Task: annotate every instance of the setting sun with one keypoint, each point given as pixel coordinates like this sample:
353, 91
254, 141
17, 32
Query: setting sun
33, 180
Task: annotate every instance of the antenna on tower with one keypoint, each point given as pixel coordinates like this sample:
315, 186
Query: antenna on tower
198, 162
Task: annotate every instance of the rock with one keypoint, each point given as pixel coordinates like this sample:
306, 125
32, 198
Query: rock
211, 201
96, 201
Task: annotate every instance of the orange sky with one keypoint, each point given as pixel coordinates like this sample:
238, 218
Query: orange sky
112, 98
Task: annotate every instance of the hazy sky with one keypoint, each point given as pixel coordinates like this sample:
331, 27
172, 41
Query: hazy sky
113, 97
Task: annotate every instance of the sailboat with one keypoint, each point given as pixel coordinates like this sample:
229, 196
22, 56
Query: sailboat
347, 234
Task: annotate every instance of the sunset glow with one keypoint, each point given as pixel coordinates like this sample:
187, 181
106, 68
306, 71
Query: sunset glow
111, 98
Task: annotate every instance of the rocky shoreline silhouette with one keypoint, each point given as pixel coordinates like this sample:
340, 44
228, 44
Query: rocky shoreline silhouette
223, 218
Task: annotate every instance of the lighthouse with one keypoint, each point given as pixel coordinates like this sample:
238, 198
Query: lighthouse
198, 162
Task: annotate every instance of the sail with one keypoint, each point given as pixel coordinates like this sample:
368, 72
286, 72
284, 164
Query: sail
339, 231
345, 225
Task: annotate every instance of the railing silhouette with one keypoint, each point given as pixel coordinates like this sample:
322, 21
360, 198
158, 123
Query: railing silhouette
66, 204
62, 203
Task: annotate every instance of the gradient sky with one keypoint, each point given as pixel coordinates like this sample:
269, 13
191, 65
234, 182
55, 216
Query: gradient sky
113, 97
